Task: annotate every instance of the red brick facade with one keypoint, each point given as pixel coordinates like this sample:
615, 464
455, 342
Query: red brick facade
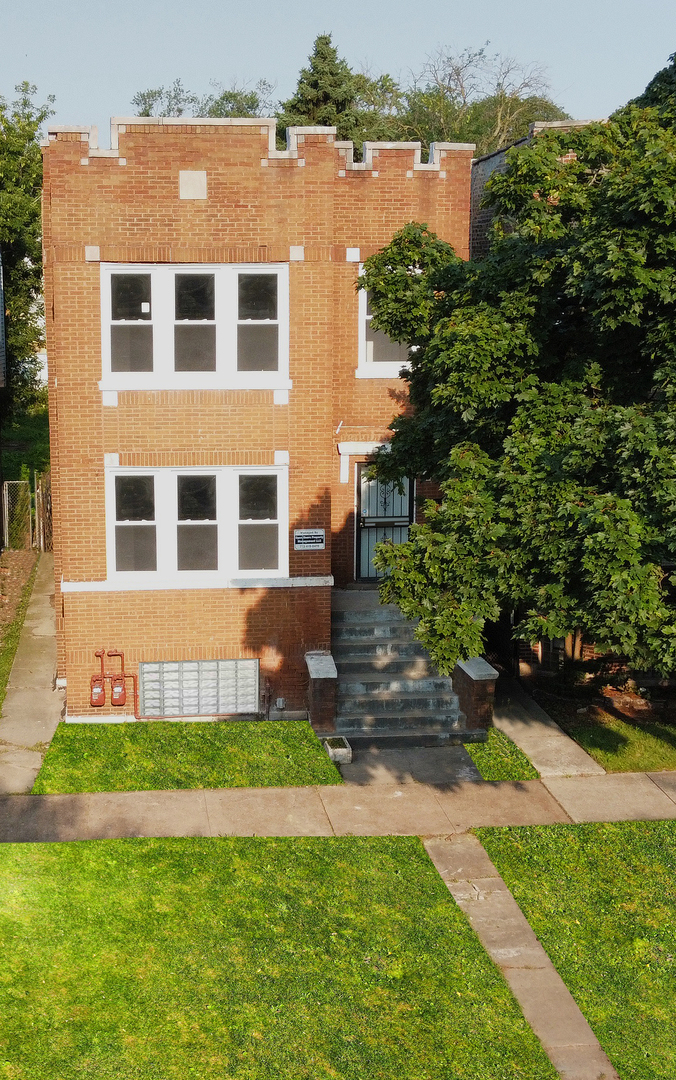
309, 209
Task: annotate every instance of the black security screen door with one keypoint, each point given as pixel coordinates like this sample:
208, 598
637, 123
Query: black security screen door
383, 513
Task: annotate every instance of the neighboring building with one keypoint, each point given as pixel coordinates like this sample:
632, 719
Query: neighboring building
483, 168
215, 387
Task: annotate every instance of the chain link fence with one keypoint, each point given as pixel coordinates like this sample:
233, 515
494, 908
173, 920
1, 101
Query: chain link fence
17, 516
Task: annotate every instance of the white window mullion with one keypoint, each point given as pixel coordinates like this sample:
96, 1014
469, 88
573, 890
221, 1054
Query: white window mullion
163, 283
165, 513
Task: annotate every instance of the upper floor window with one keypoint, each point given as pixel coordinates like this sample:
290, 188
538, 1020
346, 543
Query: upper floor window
187, 327
379, 356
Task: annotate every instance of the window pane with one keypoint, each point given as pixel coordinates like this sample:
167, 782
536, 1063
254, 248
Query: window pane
196, 498
198, 547
257, 498
131, 348
194, 296
257, 347
257, 296
381, 349
130, 296
135, 498
194, 348
258, 547
135, 547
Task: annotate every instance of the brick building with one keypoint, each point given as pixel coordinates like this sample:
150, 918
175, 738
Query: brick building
214, 388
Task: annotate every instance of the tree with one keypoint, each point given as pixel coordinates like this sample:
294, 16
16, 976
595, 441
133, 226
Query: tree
473, 97
176, 100
543, 385
326, 93
20, 241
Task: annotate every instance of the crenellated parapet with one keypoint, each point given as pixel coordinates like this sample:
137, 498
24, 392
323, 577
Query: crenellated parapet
303, 144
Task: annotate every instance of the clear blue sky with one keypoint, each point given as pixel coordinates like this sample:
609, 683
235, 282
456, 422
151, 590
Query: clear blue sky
94, 56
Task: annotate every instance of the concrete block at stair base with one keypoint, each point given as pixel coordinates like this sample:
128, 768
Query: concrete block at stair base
322, 690
474, 683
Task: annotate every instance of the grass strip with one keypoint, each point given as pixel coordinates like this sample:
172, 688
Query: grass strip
161, 755
247, 959
499, 759
618, 745
601, 900
9, 639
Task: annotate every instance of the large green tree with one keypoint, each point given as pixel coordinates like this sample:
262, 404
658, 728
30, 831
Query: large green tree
543, 381
20, 242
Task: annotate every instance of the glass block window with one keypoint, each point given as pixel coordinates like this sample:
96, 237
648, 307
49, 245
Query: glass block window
199, 688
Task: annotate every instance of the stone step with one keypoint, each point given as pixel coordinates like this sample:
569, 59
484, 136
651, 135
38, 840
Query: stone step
382, 701
376, 682
385, 613
410, 668
370, 631
415, 725
396, 651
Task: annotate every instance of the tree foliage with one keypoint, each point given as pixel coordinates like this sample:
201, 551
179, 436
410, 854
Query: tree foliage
176, 100
469, 96
20, 241
544, 390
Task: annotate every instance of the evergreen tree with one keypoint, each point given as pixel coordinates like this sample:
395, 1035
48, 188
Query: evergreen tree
326, 94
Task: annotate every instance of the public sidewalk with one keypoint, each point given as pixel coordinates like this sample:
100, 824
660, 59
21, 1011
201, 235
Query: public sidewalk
32, 707
412, 809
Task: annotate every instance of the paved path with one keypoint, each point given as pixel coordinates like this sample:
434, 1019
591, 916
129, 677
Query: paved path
552, 752
408, 810
502, 929
32, 708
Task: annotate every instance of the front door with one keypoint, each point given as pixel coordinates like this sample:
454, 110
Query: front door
383, 513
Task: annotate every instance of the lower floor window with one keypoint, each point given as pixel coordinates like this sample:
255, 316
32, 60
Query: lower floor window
172, 523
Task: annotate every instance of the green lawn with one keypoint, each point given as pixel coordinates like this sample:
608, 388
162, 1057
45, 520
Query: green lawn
500, 759
240, 959
617, 745
155, 755
602, 900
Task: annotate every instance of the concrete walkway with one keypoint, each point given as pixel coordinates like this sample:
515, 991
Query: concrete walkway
376, 810
502, 929
32, 708
552, 752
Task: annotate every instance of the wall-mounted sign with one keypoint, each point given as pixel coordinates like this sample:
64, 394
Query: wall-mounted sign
309, 539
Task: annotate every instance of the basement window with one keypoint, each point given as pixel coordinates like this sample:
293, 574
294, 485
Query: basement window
194, 327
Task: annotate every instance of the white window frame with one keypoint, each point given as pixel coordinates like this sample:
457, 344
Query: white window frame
226, 376
369, 369
228, 574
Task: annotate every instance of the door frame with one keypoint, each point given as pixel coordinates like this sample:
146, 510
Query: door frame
359, 468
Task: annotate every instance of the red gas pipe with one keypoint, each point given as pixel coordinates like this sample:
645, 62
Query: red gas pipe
118, 684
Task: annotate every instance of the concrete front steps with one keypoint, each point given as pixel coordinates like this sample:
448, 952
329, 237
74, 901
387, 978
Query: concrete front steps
388, 691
